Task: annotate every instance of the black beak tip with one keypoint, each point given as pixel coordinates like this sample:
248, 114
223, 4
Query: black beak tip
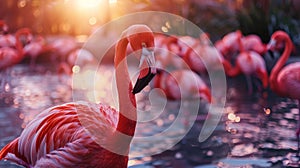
141, 83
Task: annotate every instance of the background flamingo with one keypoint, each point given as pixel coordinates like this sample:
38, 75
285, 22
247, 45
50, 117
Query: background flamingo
59, 137
249, 63
182, 84
253, 42
6, 40
3, 26
228, 45
10, 56
35, 48
204, 51
285, 81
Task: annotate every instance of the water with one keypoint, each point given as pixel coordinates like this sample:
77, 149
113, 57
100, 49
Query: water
255, 130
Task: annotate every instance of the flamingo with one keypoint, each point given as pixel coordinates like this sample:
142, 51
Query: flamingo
228, 45
60, 136
10, 56
253, 42
182, 84
168, 52
249, 63
6, 40
35, 48
4, 26
285, 81
204, 51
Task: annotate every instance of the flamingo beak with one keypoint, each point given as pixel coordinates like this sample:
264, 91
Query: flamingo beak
271, 44
270, 47
144, 79
205, 93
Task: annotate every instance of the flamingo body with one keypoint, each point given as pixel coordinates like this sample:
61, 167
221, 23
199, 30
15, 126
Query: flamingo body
169, 52
250, 62
289, 79
8, 57
7, 40
182, 84
253, 43
228, 45
204, 55
56, 138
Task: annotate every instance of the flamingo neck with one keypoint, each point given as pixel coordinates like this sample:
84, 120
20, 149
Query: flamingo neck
234, 70
19, 45
127, 102
280, 63
242, 48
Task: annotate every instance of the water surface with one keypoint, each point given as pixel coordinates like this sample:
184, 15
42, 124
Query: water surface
255, 131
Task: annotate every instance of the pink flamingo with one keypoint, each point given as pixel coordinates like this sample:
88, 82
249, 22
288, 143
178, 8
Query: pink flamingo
168, 52
204, 51
228, 45
249, 63
285, 81
253, 42
4, 26
10, 56
36, 48
60, 136
182, 84
186, 42
6, 40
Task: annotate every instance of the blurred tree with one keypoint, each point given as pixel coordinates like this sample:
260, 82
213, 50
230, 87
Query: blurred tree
253, 18
263, 17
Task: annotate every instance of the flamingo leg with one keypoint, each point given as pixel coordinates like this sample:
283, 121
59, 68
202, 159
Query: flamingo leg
298, 129
249, 84
4, 76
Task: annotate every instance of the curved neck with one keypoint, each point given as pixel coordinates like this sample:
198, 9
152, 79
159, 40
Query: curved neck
2, 24
280, 63
234, 70
242, 49
127, 103
19, 45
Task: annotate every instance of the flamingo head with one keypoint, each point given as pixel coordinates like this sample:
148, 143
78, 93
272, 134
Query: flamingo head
4, 27
141, 40
277, 39
205, 94
27, 35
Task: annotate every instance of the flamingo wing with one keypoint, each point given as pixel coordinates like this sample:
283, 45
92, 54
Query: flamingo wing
8, 57
289, 81
61, 136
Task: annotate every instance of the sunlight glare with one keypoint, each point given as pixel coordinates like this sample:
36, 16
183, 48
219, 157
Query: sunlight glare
87, 3
113, 1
